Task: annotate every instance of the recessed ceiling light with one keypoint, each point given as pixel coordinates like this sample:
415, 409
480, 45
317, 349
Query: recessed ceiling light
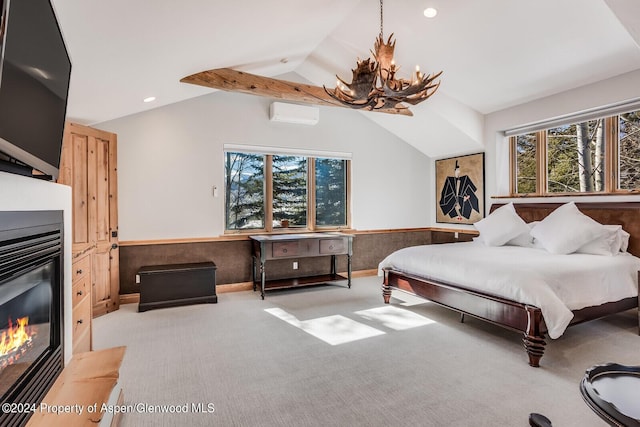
149, 99
430, 12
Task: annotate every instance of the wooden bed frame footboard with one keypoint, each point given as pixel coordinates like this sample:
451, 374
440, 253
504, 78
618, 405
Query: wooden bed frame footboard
499, 311
509, 314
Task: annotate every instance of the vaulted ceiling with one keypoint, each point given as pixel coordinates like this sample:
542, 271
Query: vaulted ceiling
494, 53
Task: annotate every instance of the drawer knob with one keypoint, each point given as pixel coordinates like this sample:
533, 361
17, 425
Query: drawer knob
330, 246
284, 250
79, 271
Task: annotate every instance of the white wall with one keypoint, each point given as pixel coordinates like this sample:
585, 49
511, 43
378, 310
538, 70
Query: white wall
29, 194
169, 159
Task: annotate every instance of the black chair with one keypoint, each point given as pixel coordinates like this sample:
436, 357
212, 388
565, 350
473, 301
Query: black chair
538, 420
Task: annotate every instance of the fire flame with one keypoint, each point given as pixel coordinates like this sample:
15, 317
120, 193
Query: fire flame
15, 337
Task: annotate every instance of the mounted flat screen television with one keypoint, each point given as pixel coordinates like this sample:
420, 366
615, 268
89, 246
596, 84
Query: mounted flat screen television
34, 84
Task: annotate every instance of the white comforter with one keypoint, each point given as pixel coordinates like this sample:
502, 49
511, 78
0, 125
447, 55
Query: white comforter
556, 284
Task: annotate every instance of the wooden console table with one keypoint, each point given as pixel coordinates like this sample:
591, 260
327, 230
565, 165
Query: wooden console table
287, 246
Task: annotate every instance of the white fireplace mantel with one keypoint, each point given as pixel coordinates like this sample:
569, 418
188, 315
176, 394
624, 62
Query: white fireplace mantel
19, 193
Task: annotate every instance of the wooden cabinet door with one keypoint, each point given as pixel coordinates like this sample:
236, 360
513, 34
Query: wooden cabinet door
103, 226
89, 165
74, 172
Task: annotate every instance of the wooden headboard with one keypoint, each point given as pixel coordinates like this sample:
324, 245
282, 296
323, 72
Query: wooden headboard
626, 214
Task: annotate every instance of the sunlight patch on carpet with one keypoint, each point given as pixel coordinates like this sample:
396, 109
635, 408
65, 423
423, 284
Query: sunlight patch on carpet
395, 318
333, 330
408, 299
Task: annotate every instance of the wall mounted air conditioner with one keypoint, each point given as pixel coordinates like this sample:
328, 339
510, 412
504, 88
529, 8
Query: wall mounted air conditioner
294, 113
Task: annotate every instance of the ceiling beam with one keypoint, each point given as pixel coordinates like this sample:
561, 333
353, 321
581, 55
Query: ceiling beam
239, 81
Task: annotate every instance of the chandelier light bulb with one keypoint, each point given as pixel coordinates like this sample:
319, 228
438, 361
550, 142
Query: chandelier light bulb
416, 79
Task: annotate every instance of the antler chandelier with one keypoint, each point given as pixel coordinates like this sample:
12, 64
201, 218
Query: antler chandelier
374, 84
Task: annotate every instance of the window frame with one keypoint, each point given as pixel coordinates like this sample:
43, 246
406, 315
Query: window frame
610, 164
311, 195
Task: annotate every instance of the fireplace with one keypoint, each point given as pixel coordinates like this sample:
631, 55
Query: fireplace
31, 303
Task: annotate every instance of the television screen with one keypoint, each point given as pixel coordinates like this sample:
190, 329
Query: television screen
34, 84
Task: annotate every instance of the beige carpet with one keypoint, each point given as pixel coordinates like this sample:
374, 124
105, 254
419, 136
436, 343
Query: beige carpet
332, 356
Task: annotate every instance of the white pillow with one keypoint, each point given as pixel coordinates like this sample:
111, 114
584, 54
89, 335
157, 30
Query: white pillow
613, 241
624, 240
525, 239
501, 225
566, 229
621, 242
602, 245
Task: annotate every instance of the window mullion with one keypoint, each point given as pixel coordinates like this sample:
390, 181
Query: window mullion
611, 154
348, 191
311, 193
513, 163
268, 199
541, 152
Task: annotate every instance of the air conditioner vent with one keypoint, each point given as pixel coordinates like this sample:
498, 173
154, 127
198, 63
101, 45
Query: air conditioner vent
294, 113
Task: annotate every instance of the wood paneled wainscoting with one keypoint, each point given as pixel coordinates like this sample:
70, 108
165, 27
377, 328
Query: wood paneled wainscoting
232, 256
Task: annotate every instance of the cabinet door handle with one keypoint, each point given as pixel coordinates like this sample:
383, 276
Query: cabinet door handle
79, 322
79, 271
79, 293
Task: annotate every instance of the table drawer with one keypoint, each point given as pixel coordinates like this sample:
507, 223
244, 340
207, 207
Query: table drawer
81, 268
81, 317
285, 249
333, 246
80, 290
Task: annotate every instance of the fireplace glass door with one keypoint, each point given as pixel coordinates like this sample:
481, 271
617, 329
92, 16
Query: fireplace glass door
31, 308
25, 322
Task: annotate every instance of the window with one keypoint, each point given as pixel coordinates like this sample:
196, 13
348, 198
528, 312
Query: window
279, 191
289, 190
578, 157
575, 158
331, 195
526, 164
244, 191
629, 151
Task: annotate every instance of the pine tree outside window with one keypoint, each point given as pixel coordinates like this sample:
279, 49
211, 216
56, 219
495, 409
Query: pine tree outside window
285, 192
629, 151
526, 164
331, 192
289, 191
244, 191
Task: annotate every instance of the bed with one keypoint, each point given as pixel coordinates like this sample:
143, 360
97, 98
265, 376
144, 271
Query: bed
519, 310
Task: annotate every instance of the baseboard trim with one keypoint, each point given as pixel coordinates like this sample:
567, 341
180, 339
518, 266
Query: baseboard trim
234, 287
363, 273
130, 298
237, 287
